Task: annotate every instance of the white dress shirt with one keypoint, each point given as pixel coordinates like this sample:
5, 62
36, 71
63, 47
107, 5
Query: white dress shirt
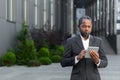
85, 42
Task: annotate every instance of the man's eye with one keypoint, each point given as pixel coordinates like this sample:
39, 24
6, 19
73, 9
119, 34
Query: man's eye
84, 26
88, 26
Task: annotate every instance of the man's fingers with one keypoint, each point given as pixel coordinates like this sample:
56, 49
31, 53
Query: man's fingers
84, 51
82, 54
94, 55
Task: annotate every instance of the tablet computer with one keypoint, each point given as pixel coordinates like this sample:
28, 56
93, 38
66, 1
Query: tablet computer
89, 49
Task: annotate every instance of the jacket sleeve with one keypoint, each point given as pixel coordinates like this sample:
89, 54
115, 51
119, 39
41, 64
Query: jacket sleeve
104, 61
68, 59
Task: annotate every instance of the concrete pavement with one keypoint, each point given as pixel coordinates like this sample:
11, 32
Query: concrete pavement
56, 72
112, 72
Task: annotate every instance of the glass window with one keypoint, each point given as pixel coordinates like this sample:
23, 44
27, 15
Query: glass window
10, 10
36, 12
98, 9
25, 10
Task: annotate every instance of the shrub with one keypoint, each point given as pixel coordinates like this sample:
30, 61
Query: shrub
43, 52
25, 52
39, 37
47, 39
57, 50
61, 49
45, 60
24, 33
34, 63
54, 52
55, 58
25, 49
54, 38
8, 59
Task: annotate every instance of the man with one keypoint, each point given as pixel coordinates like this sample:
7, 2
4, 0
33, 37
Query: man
76, 49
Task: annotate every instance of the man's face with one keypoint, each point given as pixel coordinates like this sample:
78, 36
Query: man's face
86, 27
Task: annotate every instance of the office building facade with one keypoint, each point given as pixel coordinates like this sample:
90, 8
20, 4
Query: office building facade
59, 15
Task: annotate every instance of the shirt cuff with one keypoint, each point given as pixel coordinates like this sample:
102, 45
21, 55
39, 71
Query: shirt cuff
76, 61
98, 63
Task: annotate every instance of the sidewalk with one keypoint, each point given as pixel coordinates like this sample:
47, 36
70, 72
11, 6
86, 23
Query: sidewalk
112, 72
56, 72
50, 72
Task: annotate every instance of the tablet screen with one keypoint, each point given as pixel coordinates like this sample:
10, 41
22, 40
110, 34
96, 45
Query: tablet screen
89, 49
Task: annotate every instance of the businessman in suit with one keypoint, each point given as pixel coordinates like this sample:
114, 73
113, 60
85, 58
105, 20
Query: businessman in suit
76, 49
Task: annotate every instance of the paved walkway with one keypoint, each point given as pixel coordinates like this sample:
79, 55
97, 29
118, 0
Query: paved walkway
56, 72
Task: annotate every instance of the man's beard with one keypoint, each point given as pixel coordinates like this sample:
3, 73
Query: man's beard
83, 34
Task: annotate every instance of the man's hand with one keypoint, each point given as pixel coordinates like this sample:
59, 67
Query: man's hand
81, 55
95, 56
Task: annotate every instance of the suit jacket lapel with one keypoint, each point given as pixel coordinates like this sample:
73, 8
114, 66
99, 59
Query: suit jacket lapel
80, 44
79, 41
91, 41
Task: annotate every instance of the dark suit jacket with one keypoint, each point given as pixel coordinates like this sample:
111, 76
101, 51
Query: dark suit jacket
85, 69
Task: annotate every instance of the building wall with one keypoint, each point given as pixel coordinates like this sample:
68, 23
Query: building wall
7, 29
105, 15
55, 15
50, 14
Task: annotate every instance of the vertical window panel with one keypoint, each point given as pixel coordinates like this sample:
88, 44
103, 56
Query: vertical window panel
98, 9
25, 10
36, 12
45, 17
10, 10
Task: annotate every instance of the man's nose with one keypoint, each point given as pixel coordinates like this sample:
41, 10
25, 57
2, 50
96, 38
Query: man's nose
87, 28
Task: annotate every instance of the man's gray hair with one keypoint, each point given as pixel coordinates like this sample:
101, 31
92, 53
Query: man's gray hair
84, 17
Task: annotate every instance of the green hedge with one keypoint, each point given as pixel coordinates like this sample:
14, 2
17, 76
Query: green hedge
8, 59
25, 52
32, 63
57, 50
43, 52
55, 58
45, 60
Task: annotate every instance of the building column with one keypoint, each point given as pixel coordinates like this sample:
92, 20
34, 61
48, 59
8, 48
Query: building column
58, 18
25, 10
45, 14
115, 16
100, 15
70, 16
94, 16
111, 18
107, 17
36, 13
103, 18
52, 14
97, 16
96, 22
